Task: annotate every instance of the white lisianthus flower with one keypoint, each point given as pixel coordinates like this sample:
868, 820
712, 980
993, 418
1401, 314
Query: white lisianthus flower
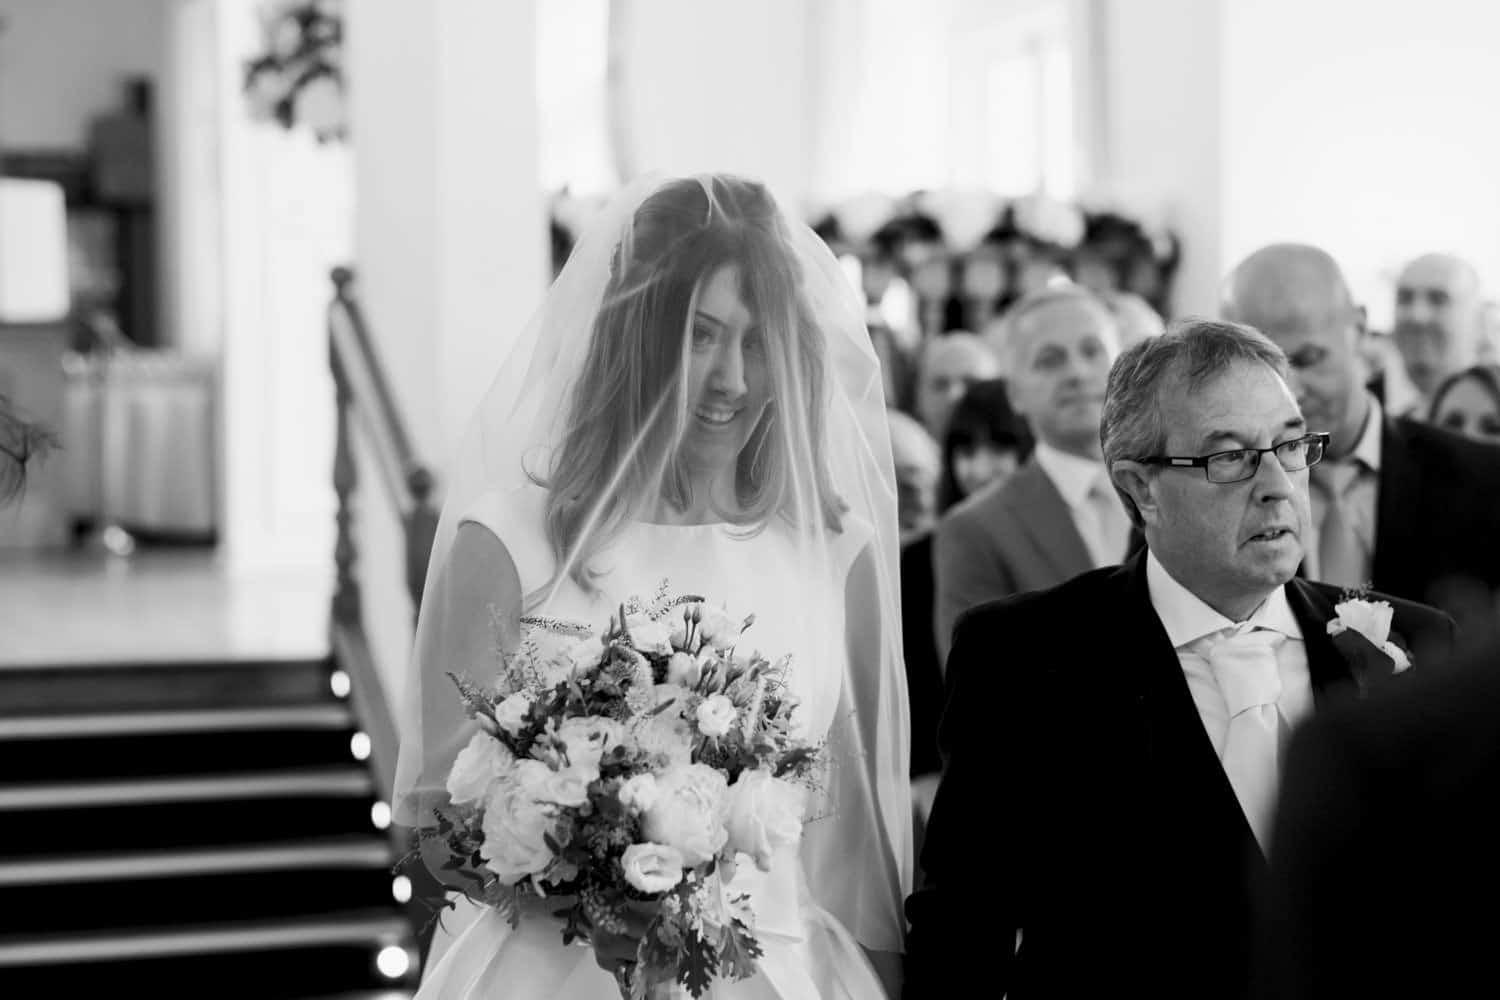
517, 820
638, 794
588, 737
477, 767
510, 714
717, 628
716, 715
648, 636
652, 868
688, 812
682, 669
1371, 619
569, 787
762, 814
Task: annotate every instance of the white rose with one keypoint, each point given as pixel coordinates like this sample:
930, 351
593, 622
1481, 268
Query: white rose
516, 822
569, 787
585, 654
654, 637
652, 868
763, 814
688, 812
588, 737
477, 767
682, 669
511, 713
716, 715
666, 737
319, 105
1371, 619
638, 794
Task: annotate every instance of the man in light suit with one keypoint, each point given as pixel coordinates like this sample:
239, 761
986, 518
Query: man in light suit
1113, 744
1400, 505
1058, 515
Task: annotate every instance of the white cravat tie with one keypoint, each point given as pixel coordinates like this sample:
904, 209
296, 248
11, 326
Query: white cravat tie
1112, 526
1244, 665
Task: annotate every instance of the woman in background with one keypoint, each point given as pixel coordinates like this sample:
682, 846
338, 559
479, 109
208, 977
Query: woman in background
985, 443
1468, 403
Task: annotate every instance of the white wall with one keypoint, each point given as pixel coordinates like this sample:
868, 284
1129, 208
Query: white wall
1366, 126
1164, 129
721, 85
450, 236
64, 61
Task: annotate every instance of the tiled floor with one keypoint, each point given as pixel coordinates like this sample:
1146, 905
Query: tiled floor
69, 607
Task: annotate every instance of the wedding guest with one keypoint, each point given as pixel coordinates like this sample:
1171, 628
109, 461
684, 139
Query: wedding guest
21, 443
1058, 515
1111, 743
1468, 403
1384, 871
1407, 508
1439, 321
948, 365
986, 442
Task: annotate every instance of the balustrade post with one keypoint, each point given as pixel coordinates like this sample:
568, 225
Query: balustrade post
346, 597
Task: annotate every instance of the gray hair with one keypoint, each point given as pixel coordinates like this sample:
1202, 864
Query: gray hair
1192, 352
1003, 338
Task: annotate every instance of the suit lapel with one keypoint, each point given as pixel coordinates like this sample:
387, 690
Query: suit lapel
1330, 674
1395, 513
1043, 514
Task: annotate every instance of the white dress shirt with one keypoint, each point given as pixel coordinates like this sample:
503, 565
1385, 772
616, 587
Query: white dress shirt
1187, 619
1361, 497
1075, 478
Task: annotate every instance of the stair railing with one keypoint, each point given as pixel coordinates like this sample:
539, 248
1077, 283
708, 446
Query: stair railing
362, 391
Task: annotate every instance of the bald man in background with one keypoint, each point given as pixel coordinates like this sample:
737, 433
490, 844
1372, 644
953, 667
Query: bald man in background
1409, 509
1439, 322
948, 366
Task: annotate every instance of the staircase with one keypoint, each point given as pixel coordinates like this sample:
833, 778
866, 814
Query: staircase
195, 829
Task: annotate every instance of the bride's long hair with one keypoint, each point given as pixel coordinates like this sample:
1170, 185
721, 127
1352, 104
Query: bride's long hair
619, 450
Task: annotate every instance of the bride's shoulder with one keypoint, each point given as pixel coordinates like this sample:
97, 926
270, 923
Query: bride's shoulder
515, 517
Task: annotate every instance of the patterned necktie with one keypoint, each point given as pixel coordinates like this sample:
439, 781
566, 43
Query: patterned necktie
1340, 558
1244, 665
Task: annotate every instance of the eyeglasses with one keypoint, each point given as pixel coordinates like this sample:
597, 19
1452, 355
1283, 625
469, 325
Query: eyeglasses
1243, 463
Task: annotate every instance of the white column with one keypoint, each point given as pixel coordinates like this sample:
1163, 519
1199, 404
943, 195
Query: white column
451, 245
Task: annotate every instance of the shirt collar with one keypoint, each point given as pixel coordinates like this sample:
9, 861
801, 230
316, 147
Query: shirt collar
1073, 476
1186, 618
1367, 448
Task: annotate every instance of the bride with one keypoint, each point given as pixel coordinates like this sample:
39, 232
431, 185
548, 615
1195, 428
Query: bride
697, 405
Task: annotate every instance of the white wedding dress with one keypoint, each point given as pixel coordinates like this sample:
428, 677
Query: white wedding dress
809, 954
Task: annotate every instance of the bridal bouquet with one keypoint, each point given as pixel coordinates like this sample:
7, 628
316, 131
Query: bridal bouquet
628, 767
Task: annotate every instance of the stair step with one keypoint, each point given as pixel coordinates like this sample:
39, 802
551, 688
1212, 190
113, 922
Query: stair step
330, 972
330, 781
71, 689
163, 826
374, 928
340, 852
273, 896
116, 724
29, 763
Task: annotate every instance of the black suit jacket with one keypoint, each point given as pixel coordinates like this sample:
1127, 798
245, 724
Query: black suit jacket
1083, 803
1385, 867
1437, 522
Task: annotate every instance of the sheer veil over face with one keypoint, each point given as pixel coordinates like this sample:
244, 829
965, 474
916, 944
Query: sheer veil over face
701, 360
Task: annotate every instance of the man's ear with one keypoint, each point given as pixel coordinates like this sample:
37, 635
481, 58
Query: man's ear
1136, 479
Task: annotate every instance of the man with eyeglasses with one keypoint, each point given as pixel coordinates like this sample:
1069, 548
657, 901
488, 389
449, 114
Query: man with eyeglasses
1401, 506
1113, 743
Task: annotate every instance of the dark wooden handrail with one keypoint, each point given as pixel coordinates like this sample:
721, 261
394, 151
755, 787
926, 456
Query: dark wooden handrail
362, 391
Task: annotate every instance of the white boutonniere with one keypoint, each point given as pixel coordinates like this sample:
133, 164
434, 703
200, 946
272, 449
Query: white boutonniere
1361, 631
